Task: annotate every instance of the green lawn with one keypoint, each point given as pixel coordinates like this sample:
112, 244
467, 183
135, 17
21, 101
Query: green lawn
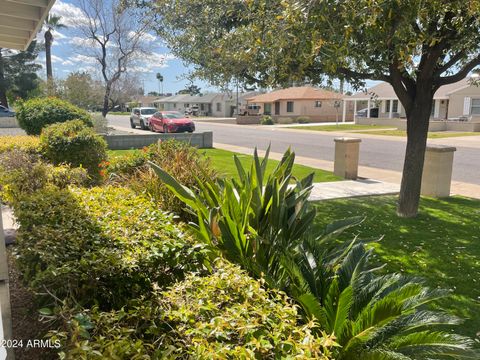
223, 162
442, 245
431, 135
341, 127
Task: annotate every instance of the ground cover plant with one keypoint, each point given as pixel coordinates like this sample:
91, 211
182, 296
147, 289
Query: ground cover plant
441, 245
34, 114
265, 225
29, 144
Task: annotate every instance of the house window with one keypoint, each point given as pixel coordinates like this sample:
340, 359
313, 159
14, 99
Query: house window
387, 106
267, 109
187, 105
475, 107
395, 106
318, 104
432, 113
219, 106
202, 107
174, 105
289, 106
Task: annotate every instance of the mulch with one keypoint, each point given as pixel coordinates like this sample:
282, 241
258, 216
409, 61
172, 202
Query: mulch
25, 318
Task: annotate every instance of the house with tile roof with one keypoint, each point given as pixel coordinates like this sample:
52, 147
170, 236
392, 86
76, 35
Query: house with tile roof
457, 101
319, 105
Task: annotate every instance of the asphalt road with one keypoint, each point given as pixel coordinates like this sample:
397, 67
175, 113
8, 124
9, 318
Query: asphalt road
377, 153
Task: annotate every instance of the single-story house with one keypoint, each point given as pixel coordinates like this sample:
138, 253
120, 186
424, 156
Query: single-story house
305, 101
212, 104
460, 100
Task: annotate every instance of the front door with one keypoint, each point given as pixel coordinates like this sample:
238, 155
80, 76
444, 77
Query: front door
277, 108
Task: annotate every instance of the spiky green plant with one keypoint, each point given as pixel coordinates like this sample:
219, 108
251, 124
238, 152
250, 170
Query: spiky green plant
264, 223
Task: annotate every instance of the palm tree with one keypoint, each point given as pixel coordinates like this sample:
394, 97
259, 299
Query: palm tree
160, 80
52, 22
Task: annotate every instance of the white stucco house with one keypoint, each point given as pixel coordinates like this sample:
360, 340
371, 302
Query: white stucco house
457, 101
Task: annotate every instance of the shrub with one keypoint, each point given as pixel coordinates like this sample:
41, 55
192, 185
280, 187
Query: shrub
75, 144
29, 144
179, 159
34, 114
285, 120
303, 120
266, 120
226, 315
23, 173
100, 246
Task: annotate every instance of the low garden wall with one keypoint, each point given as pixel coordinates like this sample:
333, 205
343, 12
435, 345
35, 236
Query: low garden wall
134, 141
401, 124
248, 120
8, 122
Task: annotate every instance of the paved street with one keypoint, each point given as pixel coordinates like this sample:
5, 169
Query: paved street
376, 151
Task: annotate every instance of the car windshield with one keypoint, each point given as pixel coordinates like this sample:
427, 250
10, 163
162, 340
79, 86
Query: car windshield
148, 111
173, 115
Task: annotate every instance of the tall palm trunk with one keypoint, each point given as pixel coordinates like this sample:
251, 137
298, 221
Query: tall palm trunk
48, 53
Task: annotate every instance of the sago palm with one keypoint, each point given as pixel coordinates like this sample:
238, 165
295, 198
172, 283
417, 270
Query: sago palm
372, 316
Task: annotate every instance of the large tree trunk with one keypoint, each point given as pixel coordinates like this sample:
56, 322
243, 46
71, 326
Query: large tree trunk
417, 131
3, 84
106, 97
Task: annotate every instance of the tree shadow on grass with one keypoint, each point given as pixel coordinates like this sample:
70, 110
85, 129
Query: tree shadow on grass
441, 245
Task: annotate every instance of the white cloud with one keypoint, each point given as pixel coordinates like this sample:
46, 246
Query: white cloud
56, 59
71, 14
67, 63
82, 59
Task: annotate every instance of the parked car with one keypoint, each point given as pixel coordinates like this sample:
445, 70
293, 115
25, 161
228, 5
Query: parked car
193, 110
171, 122
364, 112
249, 110
140, 117
6, 112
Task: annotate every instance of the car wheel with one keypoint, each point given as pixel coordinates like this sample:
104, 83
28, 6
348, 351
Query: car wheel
142, 125
152, 129
165, 129
132, 124
190, 131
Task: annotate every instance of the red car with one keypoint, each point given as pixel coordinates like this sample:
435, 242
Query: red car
170, 122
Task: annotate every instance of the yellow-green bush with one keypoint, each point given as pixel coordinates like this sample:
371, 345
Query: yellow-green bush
26, 143
226, 315
100, 246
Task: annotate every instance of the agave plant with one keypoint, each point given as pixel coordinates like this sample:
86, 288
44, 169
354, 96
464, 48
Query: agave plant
252, 221
264, 223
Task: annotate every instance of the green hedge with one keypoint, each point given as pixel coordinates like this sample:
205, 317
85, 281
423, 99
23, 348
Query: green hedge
75, 144
34, 114
226, 315
100, 246
29, 144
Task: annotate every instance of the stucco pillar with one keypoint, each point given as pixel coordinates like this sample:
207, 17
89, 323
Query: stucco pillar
344, 115
390, 114
355, 111
347, 151
368, 108
437, 171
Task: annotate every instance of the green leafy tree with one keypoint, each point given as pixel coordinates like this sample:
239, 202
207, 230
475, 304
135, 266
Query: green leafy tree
414, 45
81, 90
52, 22
18, 76
191, 90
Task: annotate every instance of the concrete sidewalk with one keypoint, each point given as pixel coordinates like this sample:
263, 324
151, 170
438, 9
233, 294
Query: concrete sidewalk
386, 176
350, 188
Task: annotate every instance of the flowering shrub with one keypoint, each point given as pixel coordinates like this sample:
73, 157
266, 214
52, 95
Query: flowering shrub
29, 144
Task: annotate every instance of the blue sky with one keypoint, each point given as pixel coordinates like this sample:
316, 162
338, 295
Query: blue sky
67, 56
